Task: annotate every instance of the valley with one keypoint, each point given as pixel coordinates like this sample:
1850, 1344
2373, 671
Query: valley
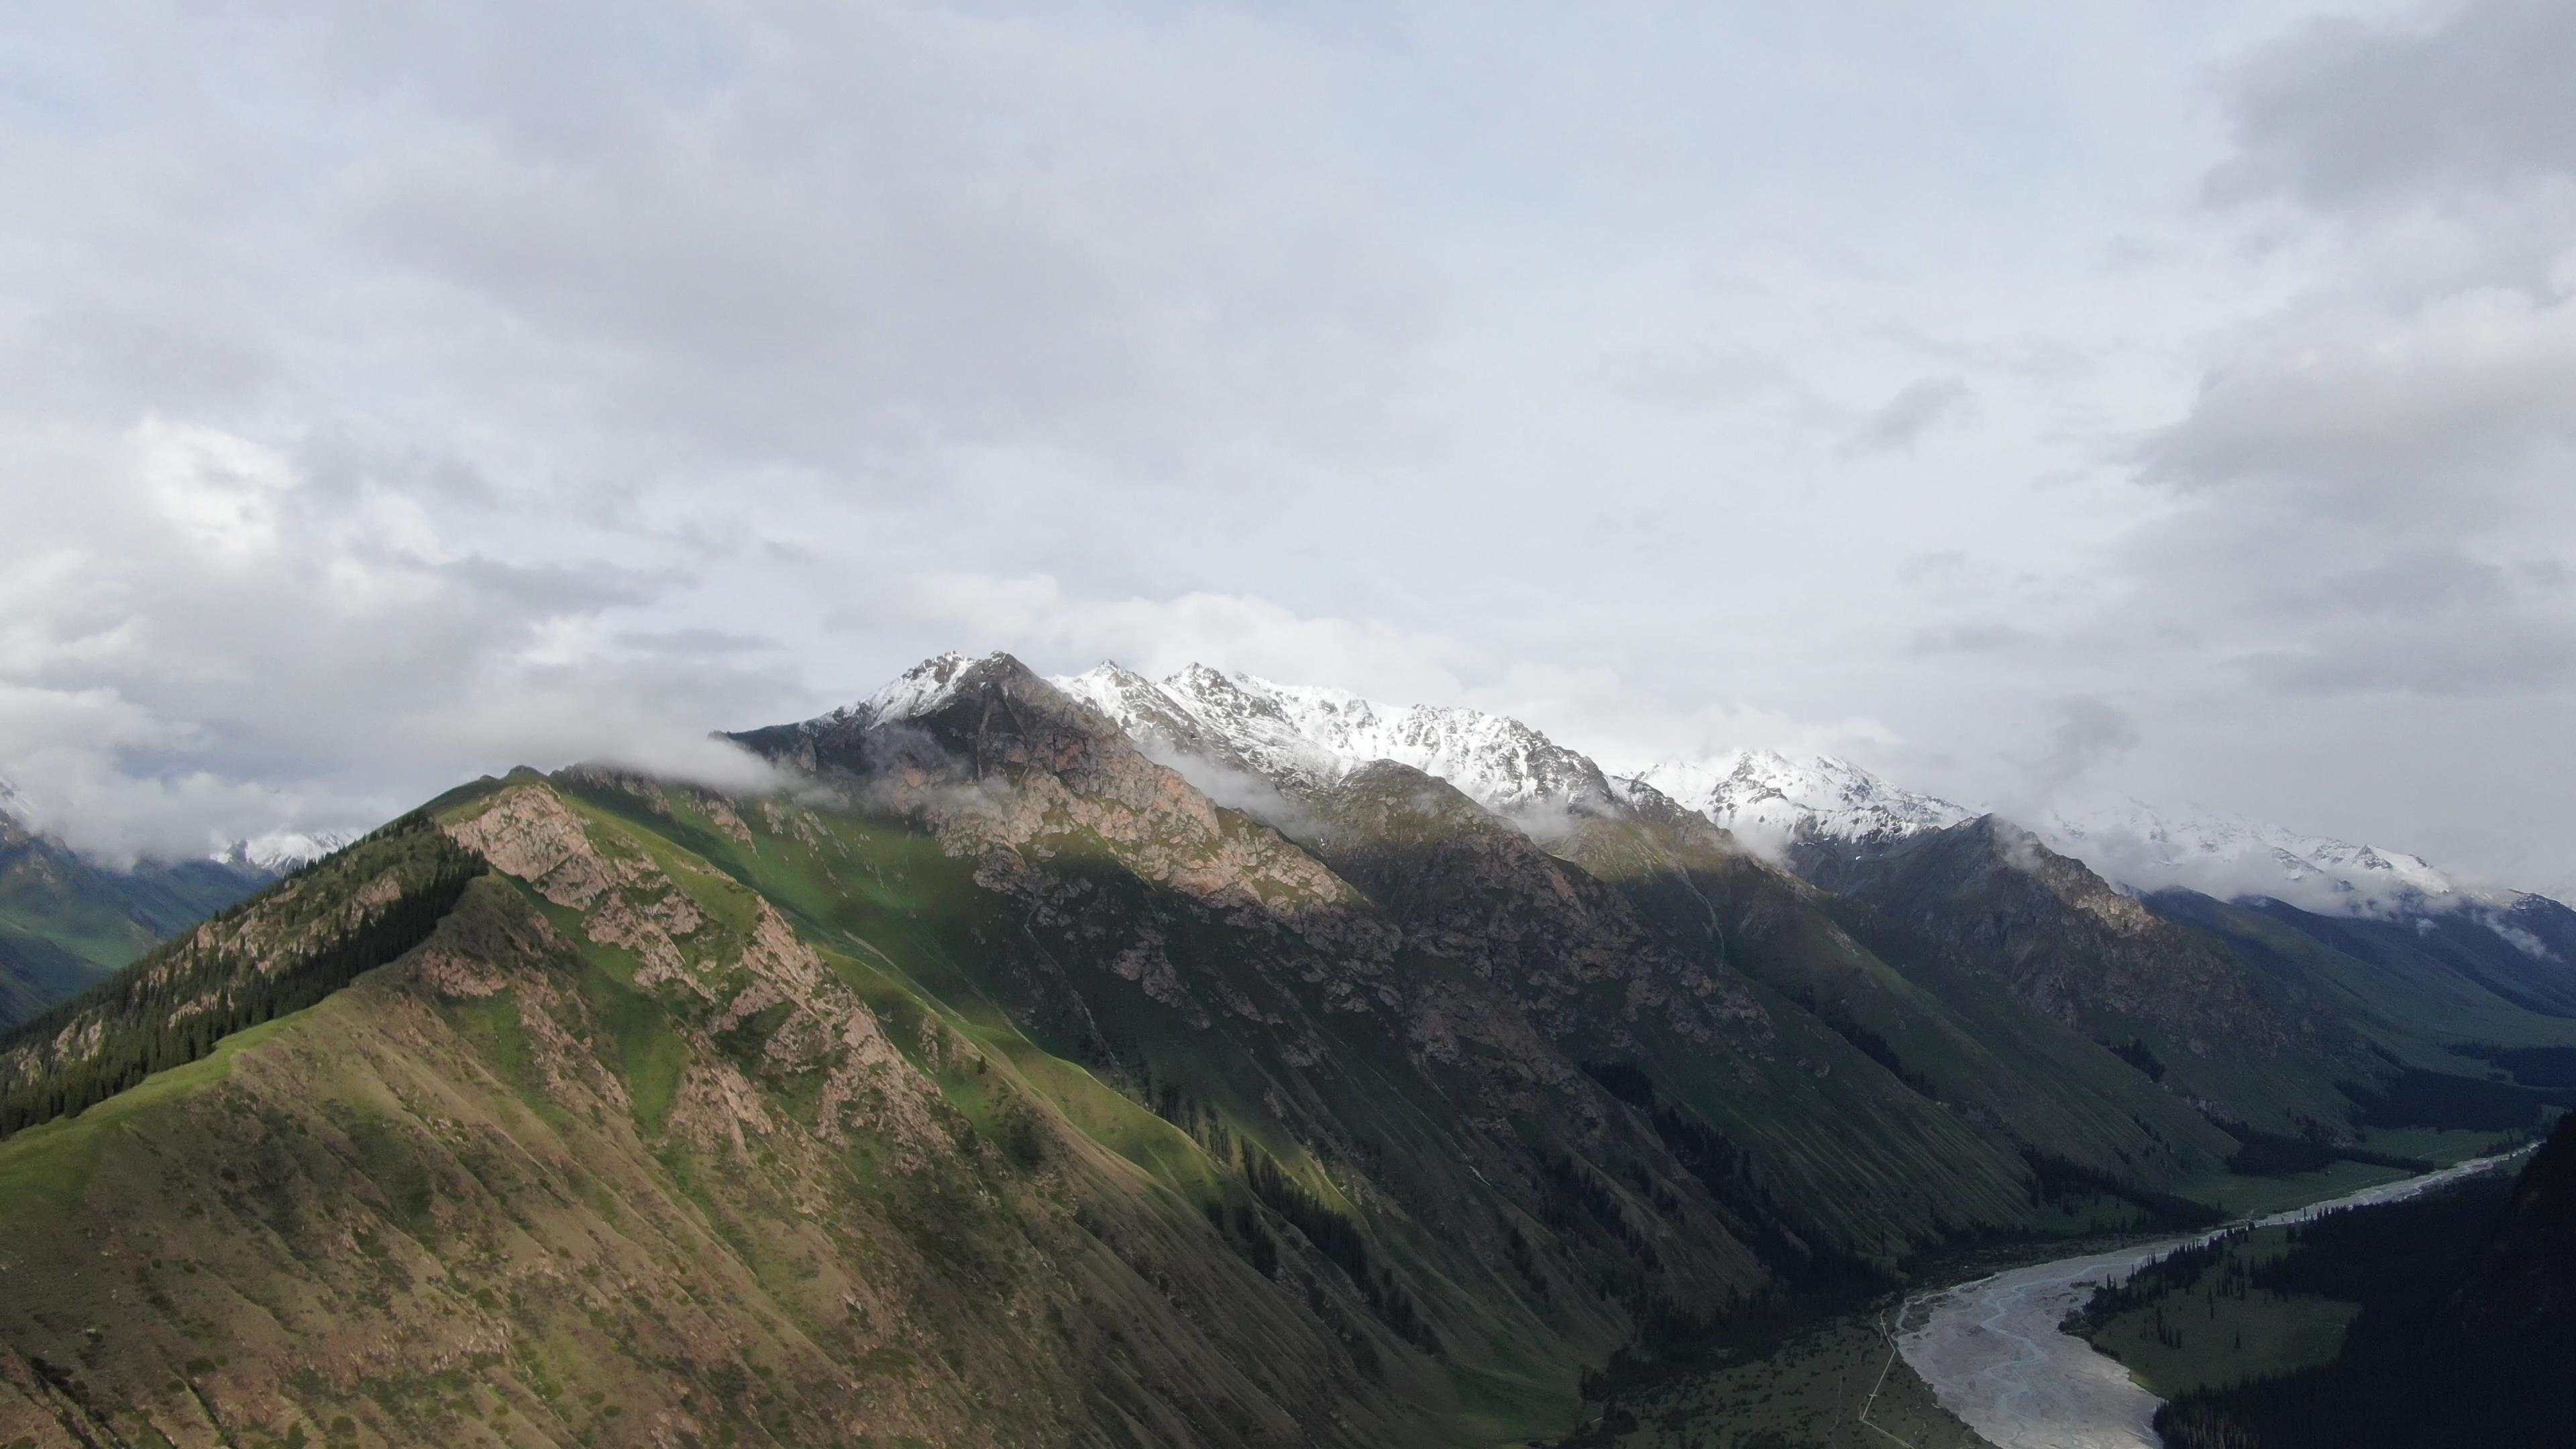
66, 922
1995, 1354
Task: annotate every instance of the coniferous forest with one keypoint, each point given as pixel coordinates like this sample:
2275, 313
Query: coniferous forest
2467, 1334
276, 953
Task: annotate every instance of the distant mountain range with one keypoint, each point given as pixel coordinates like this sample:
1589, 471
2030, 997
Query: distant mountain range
1193, 1062
1771, 801
66, 921
63, 922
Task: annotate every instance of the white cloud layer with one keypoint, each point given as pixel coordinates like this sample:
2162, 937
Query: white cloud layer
390, 394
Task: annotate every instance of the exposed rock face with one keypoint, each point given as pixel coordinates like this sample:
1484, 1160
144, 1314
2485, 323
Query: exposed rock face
999, 760
622, 1149
440, 1257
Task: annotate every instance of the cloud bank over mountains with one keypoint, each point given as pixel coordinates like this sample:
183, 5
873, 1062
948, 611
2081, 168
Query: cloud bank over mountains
2116, 401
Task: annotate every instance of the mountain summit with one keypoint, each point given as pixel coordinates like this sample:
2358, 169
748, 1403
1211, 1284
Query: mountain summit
1780, 803
1304, 737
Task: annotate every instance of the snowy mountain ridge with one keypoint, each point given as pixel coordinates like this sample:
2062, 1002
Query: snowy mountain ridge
280, 851
1298, 738
2223, 854
1772, 801
1306, 736
915, 692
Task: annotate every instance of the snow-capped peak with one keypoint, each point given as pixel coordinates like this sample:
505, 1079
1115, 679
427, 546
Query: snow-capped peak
1308, 736
280, 851
2228, 855
1772, 800
915, 692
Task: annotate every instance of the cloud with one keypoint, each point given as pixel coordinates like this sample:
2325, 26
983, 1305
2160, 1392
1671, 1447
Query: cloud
839, 227
693, 642
2143, 865
393, 393
2085, 734
709, 760
1059, 629
1975, 637
1237, 790
2345, 114
2385, 407
2372, 477
1915, 410
381, 397
256, 651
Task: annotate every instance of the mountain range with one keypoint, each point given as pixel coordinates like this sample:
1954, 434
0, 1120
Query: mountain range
1768, 800
66, 921
1127, 1062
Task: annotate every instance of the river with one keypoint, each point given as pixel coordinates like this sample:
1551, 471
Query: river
1992, 1352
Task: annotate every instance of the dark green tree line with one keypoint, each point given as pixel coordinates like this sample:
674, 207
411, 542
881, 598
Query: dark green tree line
172, 1006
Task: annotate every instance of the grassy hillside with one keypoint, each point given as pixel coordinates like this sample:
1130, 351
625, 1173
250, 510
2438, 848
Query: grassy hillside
2299, 1037
563, 1174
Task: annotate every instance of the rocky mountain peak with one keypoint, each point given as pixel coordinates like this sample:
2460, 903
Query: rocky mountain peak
1777, 802
1228, 729
280, 851
1304, 738
927, 686
946, 717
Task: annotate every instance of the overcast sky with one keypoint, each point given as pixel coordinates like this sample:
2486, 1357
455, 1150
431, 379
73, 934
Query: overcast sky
2173, 398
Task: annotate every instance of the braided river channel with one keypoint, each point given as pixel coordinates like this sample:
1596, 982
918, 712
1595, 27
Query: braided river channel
1992, 1352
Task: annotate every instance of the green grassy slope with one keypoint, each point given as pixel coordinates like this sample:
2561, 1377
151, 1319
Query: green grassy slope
2407, 1004
692, 1108
2209, 1318
293, 945
1984, 907
531, 1186
1915, 1012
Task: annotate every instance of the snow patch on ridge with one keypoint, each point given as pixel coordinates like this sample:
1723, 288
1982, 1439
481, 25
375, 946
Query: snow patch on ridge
1307, 737
280, 851
2229, 856
909, 695
1771, 801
